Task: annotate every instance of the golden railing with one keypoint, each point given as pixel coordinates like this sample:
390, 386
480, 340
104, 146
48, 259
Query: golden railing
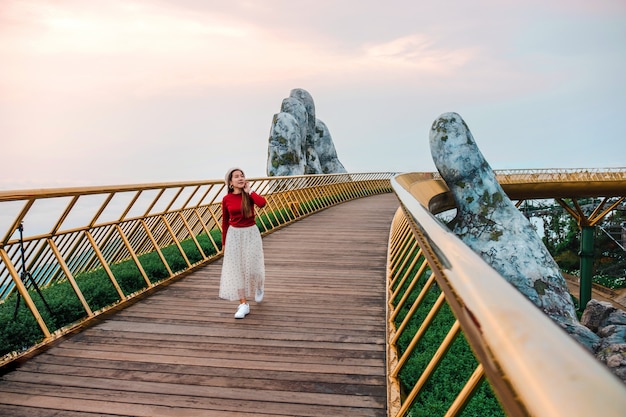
533, 367
55, 237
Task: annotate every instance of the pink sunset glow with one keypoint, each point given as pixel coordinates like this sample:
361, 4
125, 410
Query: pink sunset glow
154, 90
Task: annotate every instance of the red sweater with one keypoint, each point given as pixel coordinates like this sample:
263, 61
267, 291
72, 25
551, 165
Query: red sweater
232, 215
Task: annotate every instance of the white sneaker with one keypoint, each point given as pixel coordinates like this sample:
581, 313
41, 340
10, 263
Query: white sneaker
258, 297
242, 311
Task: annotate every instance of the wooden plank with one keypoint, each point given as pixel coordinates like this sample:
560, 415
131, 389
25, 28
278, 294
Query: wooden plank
314, 347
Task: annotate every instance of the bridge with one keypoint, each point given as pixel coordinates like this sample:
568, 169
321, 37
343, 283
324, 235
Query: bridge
358, 270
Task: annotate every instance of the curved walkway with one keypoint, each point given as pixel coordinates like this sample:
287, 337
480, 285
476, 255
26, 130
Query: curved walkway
314, 347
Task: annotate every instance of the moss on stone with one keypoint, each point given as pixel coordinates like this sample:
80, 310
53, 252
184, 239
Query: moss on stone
495, 235
439, 126
289, 158
540, 287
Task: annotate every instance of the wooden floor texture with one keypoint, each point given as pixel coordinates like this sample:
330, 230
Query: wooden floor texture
314, 347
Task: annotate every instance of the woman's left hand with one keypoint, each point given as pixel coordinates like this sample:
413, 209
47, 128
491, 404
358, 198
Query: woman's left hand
246, 187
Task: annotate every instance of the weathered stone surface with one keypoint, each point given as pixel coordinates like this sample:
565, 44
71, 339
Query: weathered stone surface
596, 314
325, 150
305, 98
610, 325
614, 356
582, 334
296, 108
311, 150
489, 223
617, 317
612, 334
285, 148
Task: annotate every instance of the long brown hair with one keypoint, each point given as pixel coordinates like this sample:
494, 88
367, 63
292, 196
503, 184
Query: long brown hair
246, 205
246, 200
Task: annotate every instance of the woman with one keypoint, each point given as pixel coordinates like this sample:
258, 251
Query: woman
243, 266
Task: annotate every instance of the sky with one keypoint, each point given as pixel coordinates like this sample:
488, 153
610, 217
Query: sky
127, 92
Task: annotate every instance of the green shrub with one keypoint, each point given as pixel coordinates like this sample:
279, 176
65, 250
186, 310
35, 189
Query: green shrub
568, 260
65, 305
20, 333
610, 281
97, 289
128, 277
454, 369
450, 375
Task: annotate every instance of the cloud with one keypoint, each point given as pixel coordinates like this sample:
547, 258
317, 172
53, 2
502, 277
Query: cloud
146, 48
143, 48
418, 53
118, 45
115, 91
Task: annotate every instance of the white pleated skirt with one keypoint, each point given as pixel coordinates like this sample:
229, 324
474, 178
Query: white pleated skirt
243, 265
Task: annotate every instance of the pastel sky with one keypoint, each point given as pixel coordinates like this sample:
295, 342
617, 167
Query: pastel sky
125, 92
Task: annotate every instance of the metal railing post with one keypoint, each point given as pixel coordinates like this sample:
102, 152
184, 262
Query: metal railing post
586, 264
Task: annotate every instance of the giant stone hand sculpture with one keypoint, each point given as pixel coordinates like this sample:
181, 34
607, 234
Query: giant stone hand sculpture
489, 223
299, 143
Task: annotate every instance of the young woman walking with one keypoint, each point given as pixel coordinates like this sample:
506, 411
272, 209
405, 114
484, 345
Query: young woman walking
243, 266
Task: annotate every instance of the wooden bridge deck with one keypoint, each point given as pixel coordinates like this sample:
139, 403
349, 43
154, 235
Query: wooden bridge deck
314, 347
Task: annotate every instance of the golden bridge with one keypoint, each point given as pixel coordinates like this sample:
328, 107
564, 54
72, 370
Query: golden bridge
109, 304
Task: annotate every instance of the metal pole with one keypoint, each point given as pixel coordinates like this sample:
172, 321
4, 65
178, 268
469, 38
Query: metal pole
586, 265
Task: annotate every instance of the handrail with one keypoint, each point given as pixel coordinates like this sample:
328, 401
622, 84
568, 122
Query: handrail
534, 367
69, 233
523, 184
